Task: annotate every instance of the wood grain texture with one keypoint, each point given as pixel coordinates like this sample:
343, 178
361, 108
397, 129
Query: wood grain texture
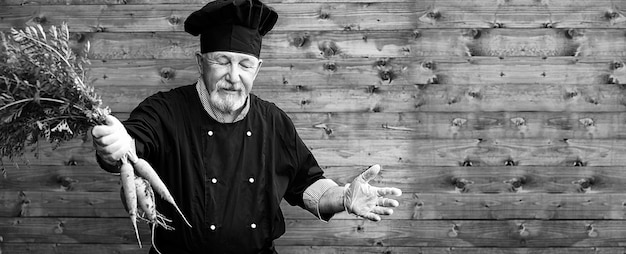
411, 178
413, 206
501, 120
338, 16
449, 152
35, 248
354, 232
456, 125
566, 179
373, 44
378, 72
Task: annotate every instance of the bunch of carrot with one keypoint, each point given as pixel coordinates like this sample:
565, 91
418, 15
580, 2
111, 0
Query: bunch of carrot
43, 95
138, 181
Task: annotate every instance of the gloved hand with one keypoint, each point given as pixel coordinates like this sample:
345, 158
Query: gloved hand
364, 200
112, 142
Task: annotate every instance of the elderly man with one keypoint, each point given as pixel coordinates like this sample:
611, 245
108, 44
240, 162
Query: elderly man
227, 156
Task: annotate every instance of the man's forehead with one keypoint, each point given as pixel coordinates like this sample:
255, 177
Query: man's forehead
230, 55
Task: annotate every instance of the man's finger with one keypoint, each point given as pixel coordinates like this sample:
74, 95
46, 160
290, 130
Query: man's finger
111, 120
112, 125
384, 191
382, 210
370, 173
387, 202
371, 216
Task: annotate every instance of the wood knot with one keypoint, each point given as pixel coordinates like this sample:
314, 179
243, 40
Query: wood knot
467, 163
416, 34
428, 65
570, 94
591, 231
167, 73
330, 67
516, 183
573, 33
328, 48
458, 122
434, 14
99, 29
510, 162
42, 20
66, 182
173, 20
301, 41
324, 127
78, 37
472, 33
323, 15
474, 94
584, 184
386, 75
372, 89
548, 24
433, 80
497, 24
59, 228
617, 65
381, 62
518, 121
587, 122
454, 231
461, 184
611, 14
523, 232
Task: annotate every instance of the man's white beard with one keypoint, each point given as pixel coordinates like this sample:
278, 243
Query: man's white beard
227, 103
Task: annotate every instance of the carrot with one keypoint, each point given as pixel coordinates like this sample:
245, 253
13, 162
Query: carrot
144, 169
130, 195
145, 199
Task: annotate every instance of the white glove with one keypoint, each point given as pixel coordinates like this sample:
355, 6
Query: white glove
111, 141
368, 201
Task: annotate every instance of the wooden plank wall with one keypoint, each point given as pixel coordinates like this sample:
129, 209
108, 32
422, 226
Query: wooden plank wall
502, 120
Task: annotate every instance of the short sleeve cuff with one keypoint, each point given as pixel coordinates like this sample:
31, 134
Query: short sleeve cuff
314, 193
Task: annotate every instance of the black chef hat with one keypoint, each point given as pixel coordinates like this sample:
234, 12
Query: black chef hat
231, 25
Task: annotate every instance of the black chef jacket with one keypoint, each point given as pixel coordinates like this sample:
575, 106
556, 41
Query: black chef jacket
227, 178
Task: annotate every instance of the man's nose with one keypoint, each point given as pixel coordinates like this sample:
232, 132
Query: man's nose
234, 73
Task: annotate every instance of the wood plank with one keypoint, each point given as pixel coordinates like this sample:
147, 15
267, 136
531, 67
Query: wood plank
400, 233
568, 179
61, 204
479, 71
493, 179
36, 248
464, 86
65, 178
435, 250
505, 233
414, 206
336, 16
372, 44
457, 125
478, 152
574, 4
71, 248
409, 98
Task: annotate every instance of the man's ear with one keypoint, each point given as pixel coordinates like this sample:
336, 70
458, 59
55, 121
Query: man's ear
199, 61
258, 67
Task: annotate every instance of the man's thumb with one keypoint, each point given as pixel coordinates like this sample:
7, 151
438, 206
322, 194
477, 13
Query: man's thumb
370, 173
111, 120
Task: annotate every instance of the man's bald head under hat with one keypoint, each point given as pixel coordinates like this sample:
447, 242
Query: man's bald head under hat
232, 25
